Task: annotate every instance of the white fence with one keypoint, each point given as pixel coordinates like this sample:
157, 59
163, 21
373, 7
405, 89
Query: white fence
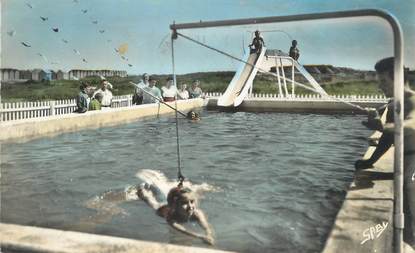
312, 97
27, 110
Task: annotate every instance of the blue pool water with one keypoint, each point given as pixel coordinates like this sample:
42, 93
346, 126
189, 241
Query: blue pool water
279, 178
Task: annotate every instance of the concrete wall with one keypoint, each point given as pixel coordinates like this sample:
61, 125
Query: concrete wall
16, 238
272, 105
39, 127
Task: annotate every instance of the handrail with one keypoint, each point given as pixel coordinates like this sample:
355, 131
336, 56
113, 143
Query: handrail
398, 86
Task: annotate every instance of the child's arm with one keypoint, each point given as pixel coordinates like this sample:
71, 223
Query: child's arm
182, 229
202, 220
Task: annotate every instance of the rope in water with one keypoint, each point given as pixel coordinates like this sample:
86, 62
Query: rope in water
270, 73
179, 169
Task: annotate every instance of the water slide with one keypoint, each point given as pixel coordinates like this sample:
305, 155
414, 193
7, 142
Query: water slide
242, 80
310, 78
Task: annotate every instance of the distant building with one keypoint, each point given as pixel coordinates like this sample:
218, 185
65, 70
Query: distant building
48, 75
81, 73
60, 75
38, 75
9, 74
25, 75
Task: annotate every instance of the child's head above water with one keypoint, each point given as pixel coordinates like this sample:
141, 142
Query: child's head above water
182, 201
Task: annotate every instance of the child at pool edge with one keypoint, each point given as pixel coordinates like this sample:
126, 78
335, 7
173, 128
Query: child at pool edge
181, 207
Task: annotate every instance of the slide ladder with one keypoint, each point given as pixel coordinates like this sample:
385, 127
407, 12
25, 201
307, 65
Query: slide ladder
309, 78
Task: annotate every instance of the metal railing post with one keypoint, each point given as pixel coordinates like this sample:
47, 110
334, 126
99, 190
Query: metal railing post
398, 86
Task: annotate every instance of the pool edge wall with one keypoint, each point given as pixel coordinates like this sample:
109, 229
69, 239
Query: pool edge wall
294, 106
49, 126
34, 239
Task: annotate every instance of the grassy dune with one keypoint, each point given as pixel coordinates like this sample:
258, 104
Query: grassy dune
210, 82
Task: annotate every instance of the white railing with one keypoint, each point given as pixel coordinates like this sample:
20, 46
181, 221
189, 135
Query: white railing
28, 110
311, 97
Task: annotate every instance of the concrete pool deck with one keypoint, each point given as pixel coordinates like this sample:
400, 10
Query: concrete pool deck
365, 221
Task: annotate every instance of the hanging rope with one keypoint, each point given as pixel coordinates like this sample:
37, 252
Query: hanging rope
179, 169
270, 73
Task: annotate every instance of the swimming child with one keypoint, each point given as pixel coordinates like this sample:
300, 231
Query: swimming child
192, 115
181, 207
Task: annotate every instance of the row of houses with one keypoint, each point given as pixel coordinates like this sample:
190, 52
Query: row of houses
8, 74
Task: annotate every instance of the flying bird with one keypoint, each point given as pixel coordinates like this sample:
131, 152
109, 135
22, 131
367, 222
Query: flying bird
55, 30
84, 11
65, 41
84, 60
26, 45
95, 22
101, 31
11, 33
76, 52
29, 5
43, 18
44, 57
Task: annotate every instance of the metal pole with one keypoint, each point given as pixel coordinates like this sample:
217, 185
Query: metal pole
283, 78
179, 164
292, 78
398, 139
398, 86
278, 77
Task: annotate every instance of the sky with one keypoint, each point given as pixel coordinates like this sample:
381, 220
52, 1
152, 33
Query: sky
91, 31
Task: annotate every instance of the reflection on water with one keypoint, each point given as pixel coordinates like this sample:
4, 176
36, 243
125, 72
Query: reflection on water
269, 182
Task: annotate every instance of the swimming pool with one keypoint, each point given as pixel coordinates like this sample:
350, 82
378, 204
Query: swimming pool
279, 178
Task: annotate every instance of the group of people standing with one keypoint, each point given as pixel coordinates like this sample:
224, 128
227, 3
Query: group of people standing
146, 92
89, 100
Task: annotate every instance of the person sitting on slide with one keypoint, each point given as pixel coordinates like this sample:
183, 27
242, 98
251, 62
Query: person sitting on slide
181, 207
257, 42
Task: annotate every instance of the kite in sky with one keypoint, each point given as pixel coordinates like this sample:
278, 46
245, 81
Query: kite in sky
95, 22
11, 33
130, 65
76, 52
65, 41
101, 31
122, 49
29, 5
84, 11
55, 30
43, 18
84, 60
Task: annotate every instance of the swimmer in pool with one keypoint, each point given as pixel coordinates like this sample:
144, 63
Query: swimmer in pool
181, 207
193, 115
